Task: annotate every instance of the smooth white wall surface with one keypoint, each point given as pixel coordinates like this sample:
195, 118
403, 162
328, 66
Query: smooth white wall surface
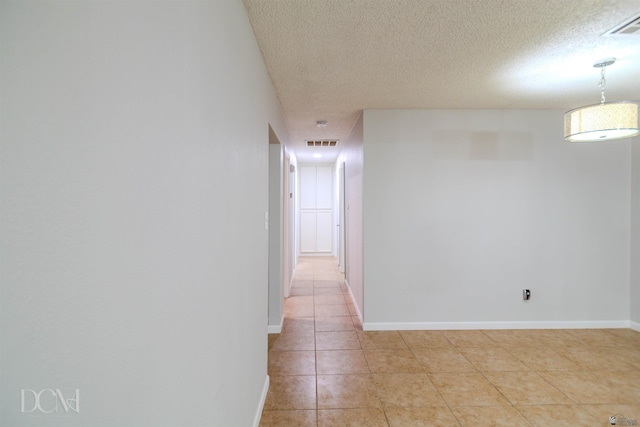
134, 170
276, 235
352, 157
634, 299
288, 229
465, 208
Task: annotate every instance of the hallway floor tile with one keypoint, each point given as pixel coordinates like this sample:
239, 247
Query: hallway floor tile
326, 372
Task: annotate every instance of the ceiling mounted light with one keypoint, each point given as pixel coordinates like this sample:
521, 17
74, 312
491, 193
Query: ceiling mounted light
321, 123
604, 121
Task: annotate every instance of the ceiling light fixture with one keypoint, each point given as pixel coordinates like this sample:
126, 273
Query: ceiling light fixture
317, 156
604, 121
321, 123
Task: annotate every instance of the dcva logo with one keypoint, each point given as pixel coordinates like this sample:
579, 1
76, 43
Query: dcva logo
48, 401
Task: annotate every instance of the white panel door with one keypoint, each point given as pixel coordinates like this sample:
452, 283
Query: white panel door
324, 231
308, 187
324, 187
308, 231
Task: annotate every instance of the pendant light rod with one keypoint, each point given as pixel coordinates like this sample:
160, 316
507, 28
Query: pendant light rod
603, 64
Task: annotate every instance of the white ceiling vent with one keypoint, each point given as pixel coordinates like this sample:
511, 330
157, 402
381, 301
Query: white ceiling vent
629, 27
323, 143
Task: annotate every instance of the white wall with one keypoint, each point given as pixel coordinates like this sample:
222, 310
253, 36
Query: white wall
465, 208
134, 170
338, 198
352, 156
288, 253
635, 234
293, 215
276, 235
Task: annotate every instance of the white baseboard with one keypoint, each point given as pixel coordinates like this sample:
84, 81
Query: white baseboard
276, 329
263, 398
353, 301
410, 326
635, 326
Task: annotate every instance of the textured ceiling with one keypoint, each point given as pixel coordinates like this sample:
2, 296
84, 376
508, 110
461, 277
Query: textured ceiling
330, 59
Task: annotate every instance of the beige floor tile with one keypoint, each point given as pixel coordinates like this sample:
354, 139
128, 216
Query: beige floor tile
301, 310
334, 323
329, 299
586, 387
467, 389
596, 337
392, 361
376, 340
294, 301
619, 357
301, 291
498, 416
492, 359
603, 412
347, 392
272, 338
626, 383
526, 388
630, 336
356, 323
554, 377
321, 275
302, 281
289, 341
443, 360
298, 324
468, 339
326, 283
437, 416
543, 359
512, 337
629, 355
291, 392
332, 310
291, 363
555, 338
368, 417
328, 291
299, 418
341, 362
352, 309
594, 358
558, 416
337, 340
407, 390
425, 339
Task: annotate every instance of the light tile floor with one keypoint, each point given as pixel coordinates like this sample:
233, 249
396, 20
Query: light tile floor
325, 371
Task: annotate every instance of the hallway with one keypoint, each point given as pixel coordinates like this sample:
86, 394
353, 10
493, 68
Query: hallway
325, 371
